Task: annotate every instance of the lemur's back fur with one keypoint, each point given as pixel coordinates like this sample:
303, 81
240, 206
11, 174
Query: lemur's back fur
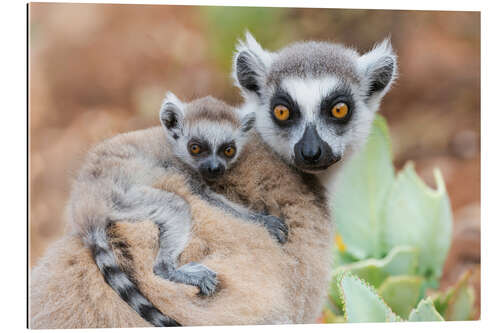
260, 281
98, 194
116, 183
122, 283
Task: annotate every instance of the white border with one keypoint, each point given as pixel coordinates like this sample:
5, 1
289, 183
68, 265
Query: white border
13, 144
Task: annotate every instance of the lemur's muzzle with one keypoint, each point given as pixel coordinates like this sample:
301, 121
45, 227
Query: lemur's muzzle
212, 169
312, 153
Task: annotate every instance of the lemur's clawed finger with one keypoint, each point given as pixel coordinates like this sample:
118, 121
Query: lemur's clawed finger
193, 273
276, 227
198, 275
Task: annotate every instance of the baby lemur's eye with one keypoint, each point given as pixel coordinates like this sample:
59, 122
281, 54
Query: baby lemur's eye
229, 151
195, 148
340, 111
281, 112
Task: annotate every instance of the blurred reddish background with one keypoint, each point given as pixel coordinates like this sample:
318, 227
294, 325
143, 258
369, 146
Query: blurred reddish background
97, 70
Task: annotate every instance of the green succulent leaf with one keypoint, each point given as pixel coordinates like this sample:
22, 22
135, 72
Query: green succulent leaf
457, 303
365, 180
402, 260
419, 216
362, 303
425, 311
401, 293
462, 306
380, 214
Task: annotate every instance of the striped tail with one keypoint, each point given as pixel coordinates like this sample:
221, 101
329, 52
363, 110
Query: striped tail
122, 283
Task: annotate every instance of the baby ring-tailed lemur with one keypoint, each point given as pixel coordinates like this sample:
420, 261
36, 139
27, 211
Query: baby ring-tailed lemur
201, 139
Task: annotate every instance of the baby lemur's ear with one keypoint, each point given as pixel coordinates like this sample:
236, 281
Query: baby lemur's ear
247, 122
379, 66
250, 64
172, 115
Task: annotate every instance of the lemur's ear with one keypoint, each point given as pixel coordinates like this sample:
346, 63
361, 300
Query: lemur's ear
172, 115
379, 67
250, 64
247, 122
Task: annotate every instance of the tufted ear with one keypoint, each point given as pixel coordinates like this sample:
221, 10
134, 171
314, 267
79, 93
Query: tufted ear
172, 115
250, 65
379, 67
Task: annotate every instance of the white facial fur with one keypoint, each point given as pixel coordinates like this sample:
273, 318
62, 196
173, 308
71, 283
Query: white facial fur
308, 73
216, 135
213, 130
308, 94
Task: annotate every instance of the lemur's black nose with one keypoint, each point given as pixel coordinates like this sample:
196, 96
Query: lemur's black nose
212, 169
311, 154
310, 149
216, 169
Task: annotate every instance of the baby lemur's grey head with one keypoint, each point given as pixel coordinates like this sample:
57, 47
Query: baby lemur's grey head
206, 133
314, 101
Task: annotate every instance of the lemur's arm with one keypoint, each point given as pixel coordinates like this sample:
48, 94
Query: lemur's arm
274, 225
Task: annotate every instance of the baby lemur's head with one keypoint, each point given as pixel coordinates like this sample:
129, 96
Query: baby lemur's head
314, 101
206, 134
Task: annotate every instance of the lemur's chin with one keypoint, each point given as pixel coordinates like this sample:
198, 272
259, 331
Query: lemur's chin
315, 170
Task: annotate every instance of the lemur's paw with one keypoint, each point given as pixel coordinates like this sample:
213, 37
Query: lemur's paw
200, 276
163, 269
276, 227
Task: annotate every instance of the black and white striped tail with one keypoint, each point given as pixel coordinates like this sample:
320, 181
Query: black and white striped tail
121, 282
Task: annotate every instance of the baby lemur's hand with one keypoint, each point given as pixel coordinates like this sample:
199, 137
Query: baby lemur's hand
275, 226
192, 273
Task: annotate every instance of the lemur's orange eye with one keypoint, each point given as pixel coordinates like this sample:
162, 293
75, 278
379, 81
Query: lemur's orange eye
281, 112
229, 151
195, 149
340, 110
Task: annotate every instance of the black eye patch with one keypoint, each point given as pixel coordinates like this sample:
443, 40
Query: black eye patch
339, 95
223, 146
281, 97
204, 146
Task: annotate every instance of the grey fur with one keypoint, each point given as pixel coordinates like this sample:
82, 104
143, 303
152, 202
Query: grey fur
121, 283
310, 77
314, 59
116, 183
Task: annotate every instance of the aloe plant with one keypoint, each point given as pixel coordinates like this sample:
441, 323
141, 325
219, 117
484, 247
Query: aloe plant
401, 293
361, 194
418, 216
362, 303
402, 260
458, 301
425, 311
376, 210
393, 236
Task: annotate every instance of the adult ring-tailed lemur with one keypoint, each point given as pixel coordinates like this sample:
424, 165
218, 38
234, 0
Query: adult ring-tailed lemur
314, 103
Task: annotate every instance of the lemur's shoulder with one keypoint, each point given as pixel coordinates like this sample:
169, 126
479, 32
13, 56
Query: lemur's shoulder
150, 141
261, 172
141, 137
